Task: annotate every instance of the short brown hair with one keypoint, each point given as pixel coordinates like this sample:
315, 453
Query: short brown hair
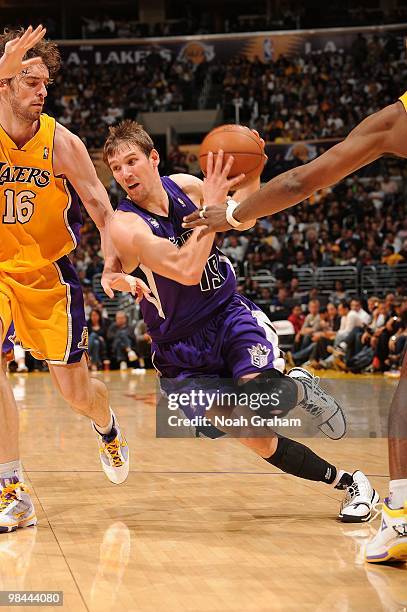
45, 49
128, 132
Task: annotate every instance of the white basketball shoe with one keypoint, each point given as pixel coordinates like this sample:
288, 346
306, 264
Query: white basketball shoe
360, 499
321, 406
114, 453
389, 545
16, 508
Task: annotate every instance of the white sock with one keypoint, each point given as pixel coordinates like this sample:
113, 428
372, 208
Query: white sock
10, 473
398, 493
105, 430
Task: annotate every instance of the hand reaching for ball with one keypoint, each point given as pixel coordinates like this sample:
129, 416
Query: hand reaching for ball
217, 185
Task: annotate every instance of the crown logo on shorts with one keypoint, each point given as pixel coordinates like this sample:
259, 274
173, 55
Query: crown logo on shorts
84, 343
259, 355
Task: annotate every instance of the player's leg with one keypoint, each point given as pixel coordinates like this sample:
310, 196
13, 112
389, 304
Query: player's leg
16, 508
251, 349
51, 321
9, 446
296, 459
390, 542
86, 395
89, 396
398, 440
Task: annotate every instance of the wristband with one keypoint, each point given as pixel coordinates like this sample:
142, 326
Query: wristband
230, 207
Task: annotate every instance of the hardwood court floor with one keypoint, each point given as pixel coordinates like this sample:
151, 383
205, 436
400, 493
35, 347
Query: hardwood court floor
199, 525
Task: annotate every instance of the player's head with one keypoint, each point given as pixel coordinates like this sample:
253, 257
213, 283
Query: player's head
129, 152
26, 92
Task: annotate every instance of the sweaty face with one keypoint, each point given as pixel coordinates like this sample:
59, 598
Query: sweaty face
134, 171
27, 91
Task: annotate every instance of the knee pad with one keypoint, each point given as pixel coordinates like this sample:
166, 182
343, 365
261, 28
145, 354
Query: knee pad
294, 458
274, 390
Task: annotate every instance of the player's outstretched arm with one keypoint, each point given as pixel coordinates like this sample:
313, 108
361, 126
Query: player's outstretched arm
11, 62
72, 160
380, 133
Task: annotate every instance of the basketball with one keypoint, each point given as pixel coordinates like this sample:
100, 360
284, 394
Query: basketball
239, 141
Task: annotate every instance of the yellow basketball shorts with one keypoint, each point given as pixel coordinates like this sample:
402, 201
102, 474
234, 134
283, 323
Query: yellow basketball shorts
47, 309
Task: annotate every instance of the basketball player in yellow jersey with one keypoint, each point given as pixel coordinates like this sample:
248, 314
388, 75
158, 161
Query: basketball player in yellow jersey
384, 132
42, 169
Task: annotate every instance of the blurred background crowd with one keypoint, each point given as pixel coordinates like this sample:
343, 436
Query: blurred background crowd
287, 100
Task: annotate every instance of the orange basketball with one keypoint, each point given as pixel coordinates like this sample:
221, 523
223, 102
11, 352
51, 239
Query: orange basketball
239, 141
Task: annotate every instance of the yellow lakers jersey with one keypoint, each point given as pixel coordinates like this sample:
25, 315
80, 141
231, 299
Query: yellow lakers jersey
39, 212
403, 100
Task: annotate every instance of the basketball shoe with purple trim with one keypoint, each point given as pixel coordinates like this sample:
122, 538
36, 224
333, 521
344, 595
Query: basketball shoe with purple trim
114, 453
389, 545
16, 508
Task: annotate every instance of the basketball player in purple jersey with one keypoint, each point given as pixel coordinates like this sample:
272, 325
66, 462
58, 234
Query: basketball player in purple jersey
198, 323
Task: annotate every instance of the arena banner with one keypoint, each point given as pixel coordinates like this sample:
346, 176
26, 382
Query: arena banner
266, 46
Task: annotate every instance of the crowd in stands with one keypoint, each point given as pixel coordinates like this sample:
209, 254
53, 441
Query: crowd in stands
118, 343
312, 96
88, 99
350, 336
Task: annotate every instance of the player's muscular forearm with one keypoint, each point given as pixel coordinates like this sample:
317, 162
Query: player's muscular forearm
383, 132
72, 160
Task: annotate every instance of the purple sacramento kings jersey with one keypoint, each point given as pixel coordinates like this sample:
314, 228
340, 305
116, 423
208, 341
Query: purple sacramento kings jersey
174, 310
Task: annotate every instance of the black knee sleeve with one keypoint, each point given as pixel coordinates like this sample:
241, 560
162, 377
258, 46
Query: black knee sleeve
282, 391
299, 460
